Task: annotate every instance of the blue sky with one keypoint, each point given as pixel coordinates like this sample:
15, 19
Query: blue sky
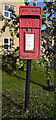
39, 3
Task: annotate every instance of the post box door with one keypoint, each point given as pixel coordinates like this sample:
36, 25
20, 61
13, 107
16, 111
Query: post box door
32, 52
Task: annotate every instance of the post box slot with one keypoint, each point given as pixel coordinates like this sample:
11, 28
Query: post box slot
30, 16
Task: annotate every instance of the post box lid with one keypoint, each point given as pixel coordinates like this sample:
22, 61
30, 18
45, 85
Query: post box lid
30, 10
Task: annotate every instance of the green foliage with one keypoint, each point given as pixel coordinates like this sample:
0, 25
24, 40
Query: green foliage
10, 58
34, 3
11, 62
3, 29
25, 65
47, 50
11, 33
34, 65
27, 3
47, 57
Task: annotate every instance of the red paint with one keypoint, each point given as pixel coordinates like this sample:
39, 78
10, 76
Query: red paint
29, 17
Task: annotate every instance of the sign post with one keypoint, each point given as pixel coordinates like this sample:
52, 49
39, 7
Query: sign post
29, 40
27, 84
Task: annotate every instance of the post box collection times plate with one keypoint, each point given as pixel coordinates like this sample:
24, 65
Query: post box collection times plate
29, 41
30, 32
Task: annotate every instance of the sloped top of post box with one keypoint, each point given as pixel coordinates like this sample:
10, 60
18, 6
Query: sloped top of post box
30, 10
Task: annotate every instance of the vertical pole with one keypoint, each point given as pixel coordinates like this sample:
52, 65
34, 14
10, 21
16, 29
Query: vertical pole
27, 84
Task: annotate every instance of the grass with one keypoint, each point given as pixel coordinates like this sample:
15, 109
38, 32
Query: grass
41, 102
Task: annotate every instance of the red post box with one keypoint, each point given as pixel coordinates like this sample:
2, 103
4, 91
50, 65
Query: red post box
29, 32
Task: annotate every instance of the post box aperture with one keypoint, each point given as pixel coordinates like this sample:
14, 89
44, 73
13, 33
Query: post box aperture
29, 32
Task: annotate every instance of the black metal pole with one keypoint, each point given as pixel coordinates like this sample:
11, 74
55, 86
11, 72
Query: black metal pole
27, 84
